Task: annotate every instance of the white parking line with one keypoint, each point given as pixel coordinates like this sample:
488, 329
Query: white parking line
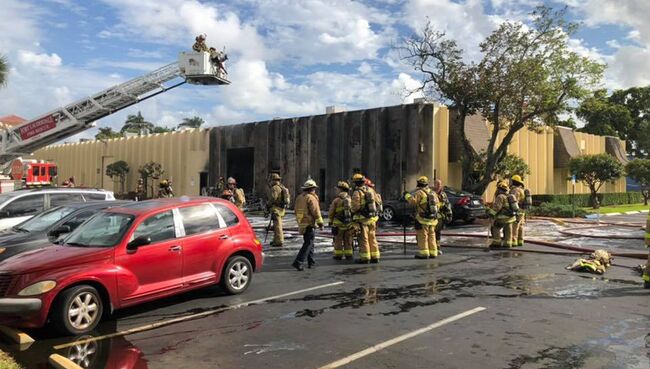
404, 337
193, 316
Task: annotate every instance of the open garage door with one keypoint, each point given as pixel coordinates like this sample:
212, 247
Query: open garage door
240, 165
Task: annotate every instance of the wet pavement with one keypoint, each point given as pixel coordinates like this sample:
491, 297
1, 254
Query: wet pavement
538, 315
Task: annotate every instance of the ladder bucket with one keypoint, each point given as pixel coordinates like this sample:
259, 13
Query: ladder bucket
197, 69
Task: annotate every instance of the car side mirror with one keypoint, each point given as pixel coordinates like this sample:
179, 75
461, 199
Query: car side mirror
58, 231
137, 242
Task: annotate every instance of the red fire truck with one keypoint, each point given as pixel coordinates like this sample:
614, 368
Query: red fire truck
39, 173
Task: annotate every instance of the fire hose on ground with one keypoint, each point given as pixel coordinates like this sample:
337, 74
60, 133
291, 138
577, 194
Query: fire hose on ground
575, 249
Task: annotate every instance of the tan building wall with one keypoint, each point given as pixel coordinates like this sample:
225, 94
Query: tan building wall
327, 147
588, 144
536, 149
183, 155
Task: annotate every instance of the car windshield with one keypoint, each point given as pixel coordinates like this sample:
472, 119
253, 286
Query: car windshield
102, 230
6, 197
44, 220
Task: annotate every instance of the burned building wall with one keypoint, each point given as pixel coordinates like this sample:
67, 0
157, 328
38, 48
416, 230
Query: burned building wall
387, 144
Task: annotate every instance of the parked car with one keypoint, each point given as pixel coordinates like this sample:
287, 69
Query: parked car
48, 226
18, 206
465, 206
127, 255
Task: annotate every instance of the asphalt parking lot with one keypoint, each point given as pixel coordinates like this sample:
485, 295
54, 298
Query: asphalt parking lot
470, 308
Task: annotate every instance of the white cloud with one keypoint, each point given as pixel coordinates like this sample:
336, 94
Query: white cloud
628, 66
179, 21
18, 25
39, 61
324, 31
466, 22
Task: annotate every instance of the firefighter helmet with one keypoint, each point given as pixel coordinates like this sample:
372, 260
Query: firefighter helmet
343, 185
517, 179
423, 181
309, 184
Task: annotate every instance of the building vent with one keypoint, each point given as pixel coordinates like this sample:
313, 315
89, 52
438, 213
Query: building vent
334, 109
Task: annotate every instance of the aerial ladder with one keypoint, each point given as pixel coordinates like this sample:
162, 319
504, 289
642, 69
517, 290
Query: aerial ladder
22, 140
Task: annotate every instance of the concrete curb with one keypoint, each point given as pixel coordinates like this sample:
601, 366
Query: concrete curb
15, 335
59, 362
595, 216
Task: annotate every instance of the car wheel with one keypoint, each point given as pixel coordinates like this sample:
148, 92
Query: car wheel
237, 275
388, 214
78, 310
84, 354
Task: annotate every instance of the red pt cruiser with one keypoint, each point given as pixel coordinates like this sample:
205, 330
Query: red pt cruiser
128, 255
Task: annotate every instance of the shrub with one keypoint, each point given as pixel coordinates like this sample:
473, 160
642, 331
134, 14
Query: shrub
557, 210
583, 199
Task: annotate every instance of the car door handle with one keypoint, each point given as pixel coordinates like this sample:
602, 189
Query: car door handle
175, 248
223, 237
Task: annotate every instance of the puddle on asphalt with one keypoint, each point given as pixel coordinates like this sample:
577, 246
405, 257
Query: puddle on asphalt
624, 345
402, 299
116, 352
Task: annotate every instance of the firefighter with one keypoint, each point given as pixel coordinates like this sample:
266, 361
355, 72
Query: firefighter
426, 206
340, 220
221, 185
646, 272
162, 189
525, 201
276, 207
200, 45
363, 211
227, 195
139, 190
502, 216
308, 216
372, 227
238, 193
445, 214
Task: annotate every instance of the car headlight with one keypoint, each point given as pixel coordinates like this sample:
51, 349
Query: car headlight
37, 288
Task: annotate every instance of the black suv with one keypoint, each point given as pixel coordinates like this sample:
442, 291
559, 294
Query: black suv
465, 206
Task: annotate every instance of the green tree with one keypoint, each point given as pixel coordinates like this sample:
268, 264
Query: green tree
505, 169
106, 133
4, 70
118, 171
594, 171
194, 122
604, 117
150, 170
527, 76
161, 129
639, 170
137, 124
624, 114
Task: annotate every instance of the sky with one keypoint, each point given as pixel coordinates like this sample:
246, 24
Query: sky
287, 57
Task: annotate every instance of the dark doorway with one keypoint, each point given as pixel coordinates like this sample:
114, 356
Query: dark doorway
240, 165
203, 183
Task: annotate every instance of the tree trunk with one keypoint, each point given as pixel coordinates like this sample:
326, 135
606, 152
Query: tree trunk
646, 195
595, 204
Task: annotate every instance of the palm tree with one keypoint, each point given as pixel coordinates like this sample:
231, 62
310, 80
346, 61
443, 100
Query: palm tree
4, 70
137, 124
194, 122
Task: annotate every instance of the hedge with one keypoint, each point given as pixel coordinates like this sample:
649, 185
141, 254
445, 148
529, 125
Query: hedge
556, 211
583, 199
